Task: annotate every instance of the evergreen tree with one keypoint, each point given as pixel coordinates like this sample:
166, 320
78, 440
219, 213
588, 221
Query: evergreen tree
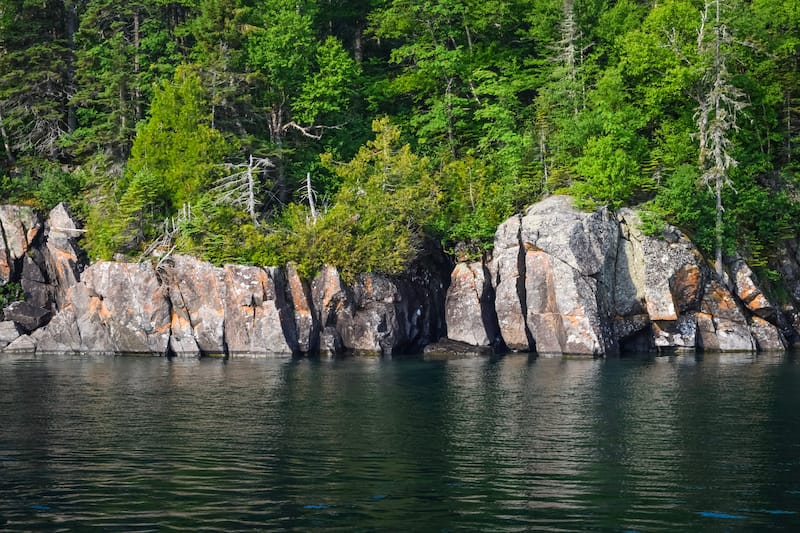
177, 143
122, 50
34, 78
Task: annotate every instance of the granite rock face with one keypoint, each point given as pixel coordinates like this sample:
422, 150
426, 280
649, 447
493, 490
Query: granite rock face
378, 314
567, 281
196, 293
568, 264
189, 307
559, 281
19, 227
116, 307
258, 318
549, 269
9, 332
669, 274
468, 312
186, 307
507, 271
45, 262
26, 316
63, 260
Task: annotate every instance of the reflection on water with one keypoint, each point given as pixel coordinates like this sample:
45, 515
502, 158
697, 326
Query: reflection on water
516, 443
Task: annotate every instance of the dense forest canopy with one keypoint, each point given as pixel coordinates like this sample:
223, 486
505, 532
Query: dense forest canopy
350, 132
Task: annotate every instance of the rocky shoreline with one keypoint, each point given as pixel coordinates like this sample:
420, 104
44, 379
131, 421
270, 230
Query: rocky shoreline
559, 281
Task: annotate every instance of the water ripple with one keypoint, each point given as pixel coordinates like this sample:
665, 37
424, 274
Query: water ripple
511, 444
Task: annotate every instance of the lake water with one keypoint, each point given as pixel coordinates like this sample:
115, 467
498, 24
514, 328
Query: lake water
508, 444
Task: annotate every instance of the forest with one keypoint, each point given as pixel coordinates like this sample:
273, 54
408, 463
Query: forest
359, 133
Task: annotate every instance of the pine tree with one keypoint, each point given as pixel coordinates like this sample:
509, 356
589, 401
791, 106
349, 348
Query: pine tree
34, 78
121, 51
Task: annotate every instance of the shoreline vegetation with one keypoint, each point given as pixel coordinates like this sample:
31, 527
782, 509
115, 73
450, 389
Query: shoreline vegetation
559, 281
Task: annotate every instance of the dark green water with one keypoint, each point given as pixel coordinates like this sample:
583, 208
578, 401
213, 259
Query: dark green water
513, 444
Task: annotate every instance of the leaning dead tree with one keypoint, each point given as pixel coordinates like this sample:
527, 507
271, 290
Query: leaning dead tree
240, 188
163, 246
716, 113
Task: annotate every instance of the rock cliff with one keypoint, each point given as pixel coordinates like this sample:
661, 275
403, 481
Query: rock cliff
566, 281
183, 306
559, 281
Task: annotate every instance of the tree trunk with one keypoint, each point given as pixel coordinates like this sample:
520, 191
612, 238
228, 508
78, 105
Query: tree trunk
719, 229
358, 44
70, 27
251, 196
310, 191
6, 142
451, 137
543, 157
137, 97
276, 134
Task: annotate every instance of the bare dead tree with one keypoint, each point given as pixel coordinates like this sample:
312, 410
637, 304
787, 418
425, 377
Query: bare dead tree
569, 55
163, 246
716, 115
6, 140
240, 188
310, 195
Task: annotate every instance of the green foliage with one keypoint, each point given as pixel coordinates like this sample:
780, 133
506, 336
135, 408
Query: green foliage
34, 78
10, 293
177, 143
58, 185
207, 233
43, 185
122, 50
387, 200
131, 111
610, 167
16, 189
653, 223
327, 91
121, 225
280, 47
474, 202
682, 201
377, 223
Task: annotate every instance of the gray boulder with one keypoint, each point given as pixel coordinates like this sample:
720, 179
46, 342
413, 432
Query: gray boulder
379, 314
9, 332
721, 325
258, 319
658, 287
767, 336
116, 307
507, 270
469, 306
33, 279
549, 282
333, 303
19, 227
27, 316
594, 283
448, 348
299, 299
64, 259
24, 343
196, 292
